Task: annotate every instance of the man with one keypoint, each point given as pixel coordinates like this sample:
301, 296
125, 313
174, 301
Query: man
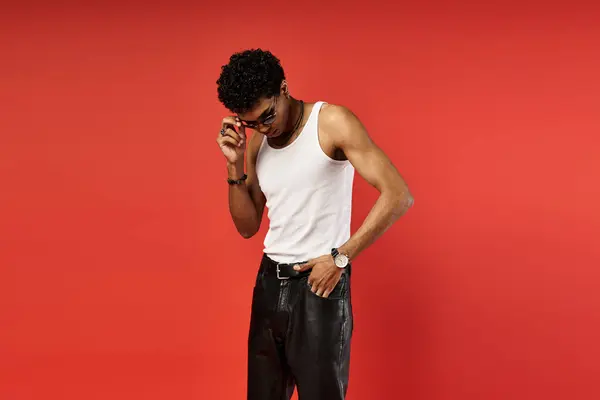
300, 164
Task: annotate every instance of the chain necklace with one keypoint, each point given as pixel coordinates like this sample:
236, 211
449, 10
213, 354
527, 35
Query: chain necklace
299, 118
288, 135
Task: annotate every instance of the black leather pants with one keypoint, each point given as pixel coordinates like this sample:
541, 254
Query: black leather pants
298, 338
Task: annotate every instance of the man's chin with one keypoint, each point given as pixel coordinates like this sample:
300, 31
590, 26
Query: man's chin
273, 134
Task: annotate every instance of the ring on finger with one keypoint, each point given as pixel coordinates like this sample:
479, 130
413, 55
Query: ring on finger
222, 132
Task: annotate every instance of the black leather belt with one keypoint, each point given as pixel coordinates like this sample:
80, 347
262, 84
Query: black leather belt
281, 270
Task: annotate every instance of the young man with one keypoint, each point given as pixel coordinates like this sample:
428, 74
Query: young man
300, 164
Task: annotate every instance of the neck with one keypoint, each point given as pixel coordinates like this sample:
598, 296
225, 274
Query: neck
292, 122
295, 111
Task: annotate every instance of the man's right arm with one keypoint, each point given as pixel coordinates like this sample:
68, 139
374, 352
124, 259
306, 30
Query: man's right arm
246, 200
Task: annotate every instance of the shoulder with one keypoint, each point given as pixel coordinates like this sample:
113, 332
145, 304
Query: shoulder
333, 115
254, 143
340, 124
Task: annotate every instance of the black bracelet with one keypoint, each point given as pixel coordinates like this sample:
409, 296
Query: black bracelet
237, 181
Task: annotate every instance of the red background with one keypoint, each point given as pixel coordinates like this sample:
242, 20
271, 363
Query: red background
122, 276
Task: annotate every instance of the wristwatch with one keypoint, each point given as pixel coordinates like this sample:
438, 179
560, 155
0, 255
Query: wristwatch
341, 260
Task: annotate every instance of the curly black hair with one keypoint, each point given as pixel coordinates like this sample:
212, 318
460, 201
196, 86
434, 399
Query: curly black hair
249, 76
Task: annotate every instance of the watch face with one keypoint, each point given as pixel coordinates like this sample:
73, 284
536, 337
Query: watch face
341, 260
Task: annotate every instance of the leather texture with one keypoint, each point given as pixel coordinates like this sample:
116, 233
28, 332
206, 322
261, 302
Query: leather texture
298, 339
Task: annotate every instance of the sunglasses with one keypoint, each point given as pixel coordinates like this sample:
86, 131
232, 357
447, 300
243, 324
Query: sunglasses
266, 119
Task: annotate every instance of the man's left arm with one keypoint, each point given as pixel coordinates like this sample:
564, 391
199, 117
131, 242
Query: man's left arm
373, 165
348, 134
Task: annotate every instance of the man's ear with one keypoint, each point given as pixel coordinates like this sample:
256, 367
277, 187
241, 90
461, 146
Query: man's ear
284, 89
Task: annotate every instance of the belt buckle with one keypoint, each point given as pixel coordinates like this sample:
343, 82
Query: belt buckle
279, 276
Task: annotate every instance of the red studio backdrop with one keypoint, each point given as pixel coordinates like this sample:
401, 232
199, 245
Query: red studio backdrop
121, 273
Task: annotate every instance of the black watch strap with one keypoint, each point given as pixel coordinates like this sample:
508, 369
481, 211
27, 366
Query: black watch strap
343, 258
237, 181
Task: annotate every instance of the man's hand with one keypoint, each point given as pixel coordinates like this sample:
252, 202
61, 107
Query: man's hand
231, 141
325, 274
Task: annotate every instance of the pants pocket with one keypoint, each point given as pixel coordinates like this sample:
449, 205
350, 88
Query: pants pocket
339, 292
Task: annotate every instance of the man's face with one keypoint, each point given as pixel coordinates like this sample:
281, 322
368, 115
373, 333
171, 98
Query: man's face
267, 117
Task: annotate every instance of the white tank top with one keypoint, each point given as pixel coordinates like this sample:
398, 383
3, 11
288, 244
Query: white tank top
309, 196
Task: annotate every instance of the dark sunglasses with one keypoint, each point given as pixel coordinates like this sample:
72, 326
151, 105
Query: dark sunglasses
265, 120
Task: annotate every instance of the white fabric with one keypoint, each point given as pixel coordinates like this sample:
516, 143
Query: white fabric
309, 196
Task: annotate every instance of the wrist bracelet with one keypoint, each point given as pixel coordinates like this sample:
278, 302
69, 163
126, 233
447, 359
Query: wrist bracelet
237, 181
